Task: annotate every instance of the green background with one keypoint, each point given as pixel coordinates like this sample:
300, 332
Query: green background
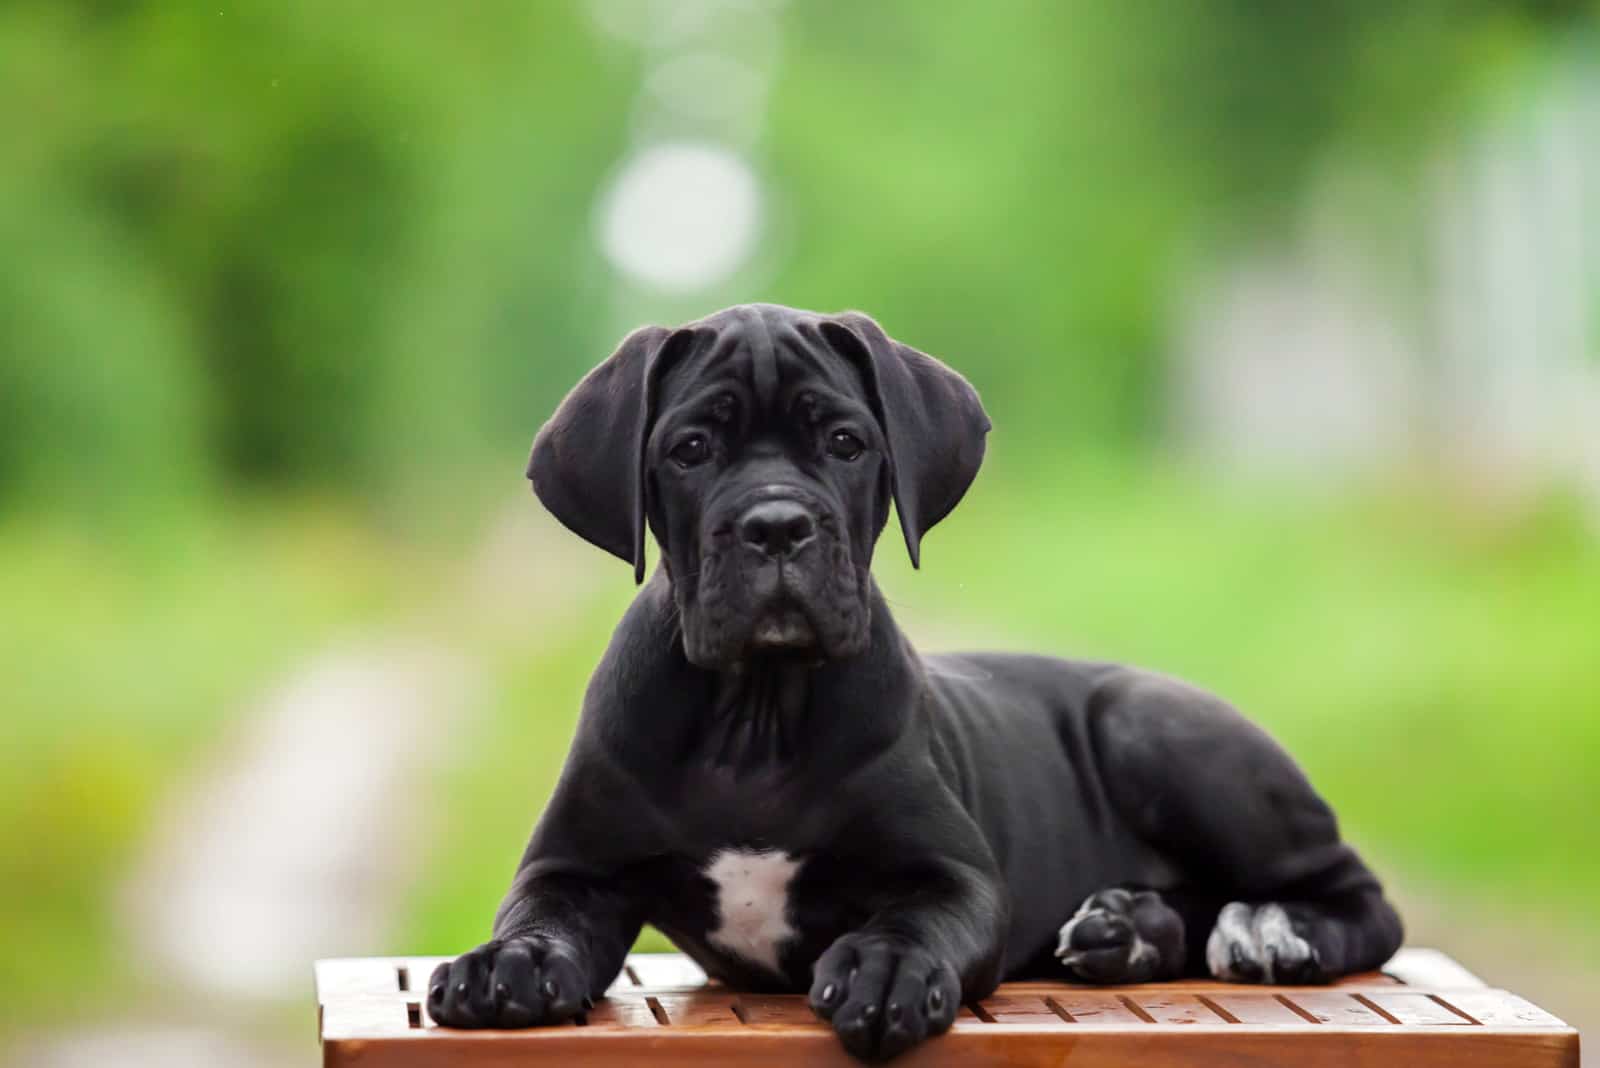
286, 289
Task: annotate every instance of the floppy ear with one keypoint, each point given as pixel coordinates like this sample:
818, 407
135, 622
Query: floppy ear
587, 465
931, 416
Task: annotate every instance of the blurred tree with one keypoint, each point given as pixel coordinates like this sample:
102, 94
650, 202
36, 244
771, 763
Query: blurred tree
1014, 184
282, 243
294, 244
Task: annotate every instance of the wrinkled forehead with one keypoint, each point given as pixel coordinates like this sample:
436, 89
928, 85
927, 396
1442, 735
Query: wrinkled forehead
764, 361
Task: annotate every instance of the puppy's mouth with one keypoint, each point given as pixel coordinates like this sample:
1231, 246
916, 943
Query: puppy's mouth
784, 628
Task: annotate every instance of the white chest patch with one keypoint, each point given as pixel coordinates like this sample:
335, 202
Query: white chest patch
752, 903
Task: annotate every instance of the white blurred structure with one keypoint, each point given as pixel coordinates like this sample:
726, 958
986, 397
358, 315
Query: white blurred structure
291, 846
684, 211
680, 216
1473, 346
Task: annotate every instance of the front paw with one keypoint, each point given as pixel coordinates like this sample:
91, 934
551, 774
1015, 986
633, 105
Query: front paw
1262, 944
514, 982
883, 994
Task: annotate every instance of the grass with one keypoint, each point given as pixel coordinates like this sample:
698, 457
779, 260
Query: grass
1435, 673
119, 663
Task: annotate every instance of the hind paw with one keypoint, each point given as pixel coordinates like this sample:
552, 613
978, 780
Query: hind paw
1259, 944
1121, 936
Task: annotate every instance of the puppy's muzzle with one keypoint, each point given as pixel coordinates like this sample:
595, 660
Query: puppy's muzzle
782, 580
777, 529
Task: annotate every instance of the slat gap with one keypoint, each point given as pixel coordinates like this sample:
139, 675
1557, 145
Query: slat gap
1137, 1009
980, 1012
1218, 1009
1379, 1009
1297, 1010
1055, 1006
414, 1015
657, 1011
402, 976
633, 976
1458, 1012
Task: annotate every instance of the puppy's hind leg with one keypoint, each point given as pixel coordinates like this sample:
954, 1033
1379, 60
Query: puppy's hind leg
1123, 936
1228, 806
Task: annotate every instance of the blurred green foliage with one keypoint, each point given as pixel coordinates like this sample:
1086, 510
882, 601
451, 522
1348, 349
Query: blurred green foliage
347, 247
283, 244
1019, 186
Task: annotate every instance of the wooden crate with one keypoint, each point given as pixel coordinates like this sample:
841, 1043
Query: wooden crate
1423, 1009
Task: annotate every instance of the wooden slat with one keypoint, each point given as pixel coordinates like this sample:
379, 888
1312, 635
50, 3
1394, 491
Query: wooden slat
1179, 1009
354, 976
701, 1009
1026, 1008
1410, 1007
1360, 981
1416, 966
771, 1010
419, 970
1095, 1009
665, 971
624, 1011
1496, 1008
365, 1018
1336, 1007
1261, 1009
624, 982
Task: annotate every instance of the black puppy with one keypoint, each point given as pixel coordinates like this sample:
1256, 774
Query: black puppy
769, 773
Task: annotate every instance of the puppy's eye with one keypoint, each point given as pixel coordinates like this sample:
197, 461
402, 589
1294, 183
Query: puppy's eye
844, 445
691, 451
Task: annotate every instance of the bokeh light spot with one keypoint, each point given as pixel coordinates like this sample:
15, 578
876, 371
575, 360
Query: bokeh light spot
680, 216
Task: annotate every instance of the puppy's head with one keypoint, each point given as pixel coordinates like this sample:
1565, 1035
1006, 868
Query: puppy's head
762, 447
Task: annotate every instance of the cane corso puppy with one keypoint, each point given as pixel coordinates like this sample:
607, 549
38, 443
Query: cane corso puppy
768, 772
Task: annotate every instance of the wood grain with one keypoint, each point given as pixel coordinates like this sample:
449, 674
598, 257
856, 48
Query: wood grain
1423, 1010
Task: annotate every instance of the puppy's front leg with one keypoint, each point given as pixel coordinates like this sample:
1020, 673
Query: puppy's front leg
558, 942
903, 976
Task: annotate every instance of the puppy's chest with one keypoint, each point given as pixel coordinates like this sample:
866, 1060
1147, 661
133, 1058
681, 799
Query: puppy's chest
749, 914
752, 907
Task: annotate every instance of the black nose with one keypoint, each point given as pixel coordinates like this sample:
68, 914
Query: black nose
777, 528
